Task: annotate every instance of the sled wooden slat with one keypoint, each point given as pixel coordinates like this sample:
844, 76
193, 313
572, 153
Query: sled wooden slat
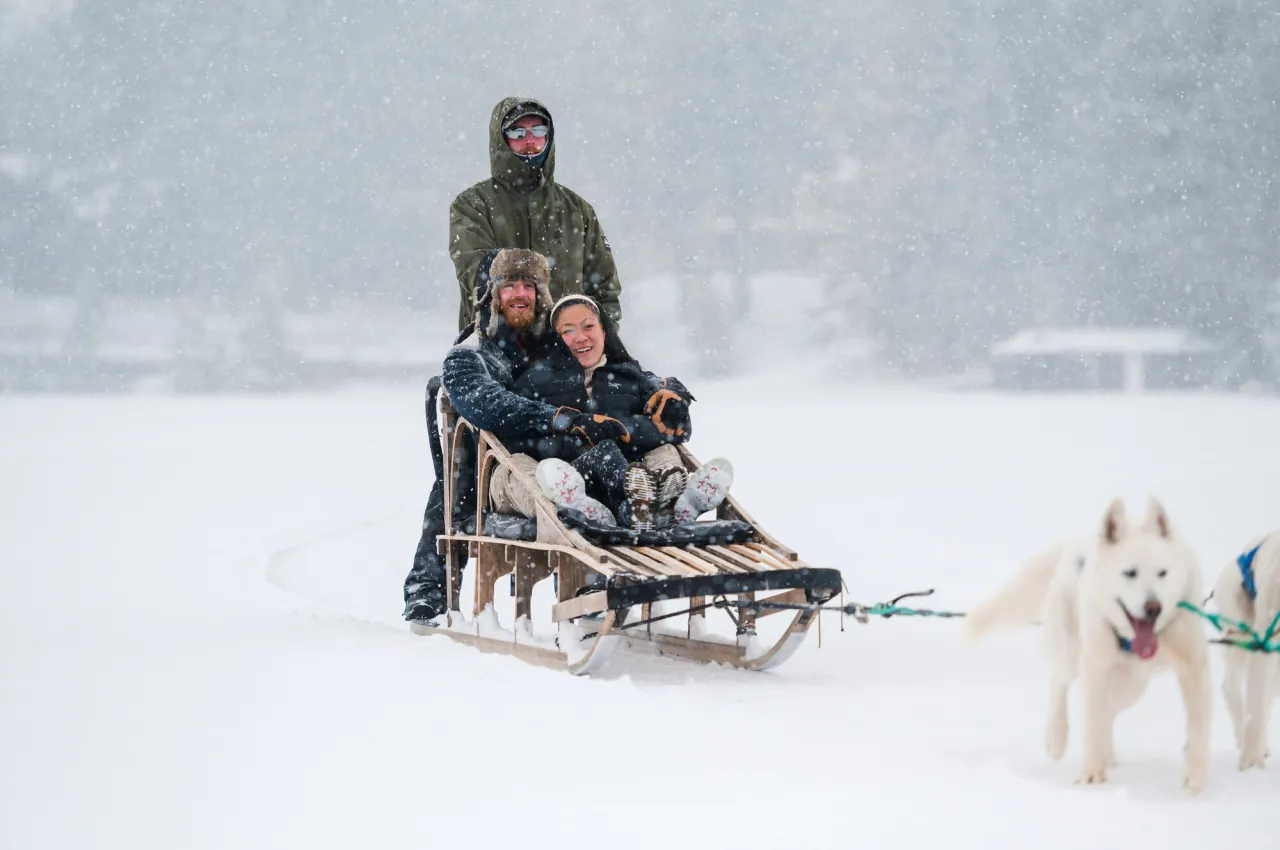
653, 564
587, 603
485, 459
679, 567
764, 559
764, 556
791, 562
767, 555
531, 567
789, 597
723, 563
489, 568
750, 564
696, 560
646, 565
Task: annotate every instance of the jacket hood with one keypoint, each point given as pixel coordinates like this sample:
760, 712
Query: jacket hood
515, 172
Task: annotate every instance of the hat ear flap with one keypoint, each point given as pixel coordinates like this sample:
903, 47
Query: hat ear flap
543, 322
482, 295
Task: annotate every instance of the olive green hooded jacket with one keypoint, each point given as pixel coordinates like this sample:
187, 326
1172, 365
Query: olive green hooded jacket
521, 206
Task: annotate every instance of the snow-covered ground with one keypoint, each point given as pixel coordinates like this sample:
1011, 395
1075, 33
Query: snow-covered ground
200, 642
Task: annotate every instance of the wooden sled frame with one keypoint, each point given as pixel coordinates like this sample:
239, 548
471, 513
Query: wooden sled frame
635, 575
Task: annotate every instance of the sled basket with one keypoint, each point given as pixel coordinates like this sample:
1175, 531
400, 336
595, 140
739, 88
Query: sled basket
603, 574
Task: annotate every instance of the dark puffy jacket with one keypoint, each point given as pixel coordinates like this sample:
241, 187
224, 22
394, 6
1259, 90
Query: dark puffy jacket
479, 379
513, 390
619, 388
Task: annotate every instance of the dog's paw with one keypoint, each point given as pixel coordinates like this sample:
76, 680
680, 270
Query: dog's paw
1055, 741
1251, 758
1093, 775
1195, 775
1253, 752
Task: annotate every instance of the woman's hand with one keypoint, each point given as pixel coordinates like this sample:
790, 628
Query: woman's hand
669, 412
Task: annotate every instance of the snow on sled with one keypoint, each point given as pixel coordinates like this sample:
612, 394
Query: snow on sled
609, 581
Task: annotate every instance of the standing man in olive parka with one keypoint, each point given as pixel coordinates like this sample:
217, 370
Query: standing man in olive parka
521, 206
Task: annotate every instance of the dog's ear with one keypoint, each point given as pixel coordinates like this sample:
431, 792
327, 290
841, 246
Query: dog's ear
1157, 519
1114, 524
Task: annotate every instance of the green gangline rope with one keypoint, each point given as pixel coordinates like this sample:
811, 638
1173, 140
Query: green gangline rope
1267, 642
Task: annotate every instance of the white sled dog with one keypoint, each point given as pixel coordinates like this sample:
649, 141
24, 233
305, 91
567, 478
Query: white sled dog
1109, 606
1249, 590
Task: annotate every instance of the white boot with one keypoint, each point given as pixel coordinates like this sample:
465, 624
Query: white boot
706, 489
563, 485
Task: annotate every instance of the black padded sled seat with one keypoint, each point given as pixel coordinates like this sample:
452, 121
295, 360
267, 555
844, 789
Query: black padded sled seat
508, 526
720, 532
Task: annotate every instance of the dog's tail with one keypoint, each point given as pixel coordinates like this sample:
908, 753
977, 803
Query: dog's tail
1021, 601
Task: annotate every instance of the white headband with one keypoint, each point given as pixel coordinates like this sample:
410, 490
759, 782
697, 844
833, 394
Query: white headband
572, 297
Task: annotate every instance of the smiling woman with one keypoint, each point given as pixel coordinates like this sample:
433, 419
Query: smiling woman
577, 322
615, 461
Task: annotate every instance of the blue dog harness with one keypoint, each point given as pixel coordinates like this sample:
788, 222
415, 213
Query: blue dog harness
1245, 563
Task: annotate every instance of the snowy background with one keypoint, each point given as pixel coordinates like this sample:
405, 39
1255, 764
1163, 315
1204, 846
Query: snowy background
269, 181
223, 284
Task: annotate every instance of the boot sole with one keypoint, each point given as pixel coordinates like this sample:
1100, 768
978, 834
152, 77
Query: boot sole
637, 483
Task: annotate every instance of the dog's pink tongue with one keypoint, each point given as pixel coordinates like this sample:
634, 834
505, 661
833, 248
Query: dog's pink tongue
1145, 643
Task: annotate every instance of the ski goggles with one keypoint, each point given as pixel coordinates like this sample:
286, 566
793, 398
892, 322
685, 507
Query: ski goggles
520, 132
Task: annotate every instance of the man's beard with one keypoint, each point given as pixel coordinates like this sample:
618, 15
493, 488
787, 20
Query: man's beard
518, 320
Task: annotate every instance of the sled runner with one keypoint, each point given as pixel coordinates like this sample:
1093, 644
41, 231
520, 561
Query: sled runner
609, 580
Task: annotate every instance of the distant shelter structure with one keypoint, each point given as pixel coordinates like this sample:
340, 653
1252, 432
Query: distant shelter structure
1131, 360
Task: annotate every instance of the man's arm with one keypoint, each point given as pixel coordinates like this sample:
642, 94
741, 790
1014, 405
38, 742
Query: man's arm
599, 274
488, 403
471, 243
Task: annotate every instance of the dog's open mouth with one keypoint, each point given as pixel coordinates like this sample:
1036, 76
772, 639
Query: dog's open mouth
1145, 641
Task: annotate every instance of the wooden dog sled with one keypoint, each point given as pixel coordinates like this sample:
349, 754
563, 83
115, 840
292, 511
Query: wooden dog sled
712, 575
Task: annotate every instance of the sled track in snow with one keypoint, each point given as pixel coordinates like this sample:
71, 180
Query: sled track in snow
288, 569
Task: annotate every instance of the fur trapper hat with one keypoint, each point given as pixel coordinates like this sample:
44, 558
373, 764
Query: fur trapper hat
509, 264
